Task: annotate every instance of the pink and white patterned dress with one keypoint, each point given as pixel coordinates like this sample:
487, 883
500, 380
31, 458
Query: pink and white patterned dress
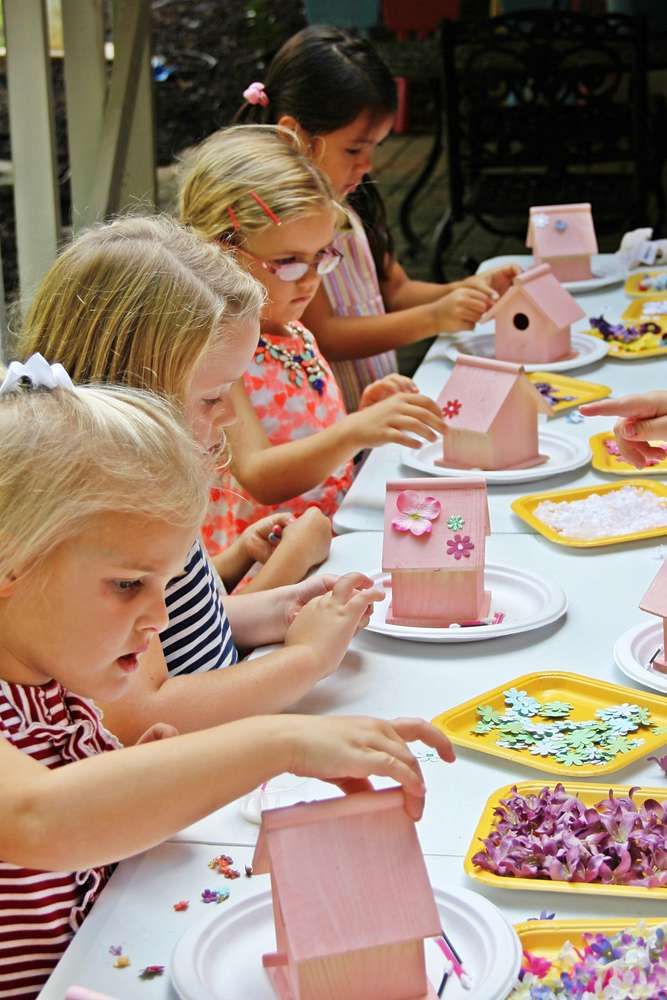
287, 412
41, 911
353, 289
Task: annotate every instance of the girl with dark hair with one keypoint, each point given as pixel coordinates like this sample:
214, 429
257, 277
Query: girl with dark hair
334, 91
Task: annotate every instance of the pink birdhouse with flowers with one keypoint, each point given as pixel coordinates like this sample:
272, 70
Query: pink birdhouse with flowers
490, 410
654, 602
352, 901
564, 237
533, 319
434, 548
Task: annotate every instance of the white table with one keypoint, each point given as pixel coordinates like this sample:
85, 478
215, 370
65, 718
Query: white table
362, 509
387, 677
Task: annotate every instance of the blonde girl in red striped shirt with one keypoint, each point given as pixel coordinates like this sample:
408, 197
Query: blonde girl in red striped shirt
101, 493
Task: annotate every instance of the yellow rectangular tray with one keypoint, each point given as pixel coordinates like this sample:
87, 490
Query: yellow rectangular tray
623, 352
605, 461
582, 392
524, 508
638, 311
632, 289
546, 937
589, 795
585, 694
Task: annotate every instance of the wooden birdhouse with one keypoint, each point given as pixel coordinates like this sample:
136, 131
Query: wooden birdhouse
564, 237
654, 602
533, 319
434, 547
352, 901
490, 409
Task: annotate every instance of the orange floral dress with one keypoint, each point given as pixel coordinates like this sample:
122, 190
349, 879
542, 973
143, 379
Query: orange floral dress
288, 411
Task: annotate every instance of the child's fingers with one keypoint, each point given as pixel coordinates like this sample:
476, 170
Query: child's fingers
345, 586
413, 425
352, 785
386, 765
410, 729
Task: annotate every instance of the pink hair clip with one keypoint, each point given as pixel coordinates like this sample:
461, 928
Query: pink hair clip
265, 208
232, 218
255, 94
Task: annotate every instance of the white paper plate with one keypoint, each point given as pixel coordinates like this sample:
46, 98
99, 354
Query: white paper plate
220, 959
482, 344
633, 651
528, 601
565, 454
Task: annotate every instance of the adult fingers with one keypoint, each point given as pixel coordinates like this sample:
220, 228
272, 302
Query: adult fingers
642, 406
410, 729
643, 430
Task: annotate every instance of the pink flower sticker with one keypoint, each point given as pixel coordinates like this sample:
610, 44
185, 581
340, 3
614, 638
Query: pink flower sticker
451, 408
415, 513
459, 546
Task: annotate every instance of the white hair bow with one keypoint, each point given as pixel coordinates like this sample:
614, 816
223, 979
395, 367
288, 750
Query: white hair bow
39, 373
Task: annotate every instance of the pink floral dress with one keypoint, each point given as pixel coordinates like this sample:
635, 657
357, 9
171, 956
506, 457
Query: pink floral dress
288, 411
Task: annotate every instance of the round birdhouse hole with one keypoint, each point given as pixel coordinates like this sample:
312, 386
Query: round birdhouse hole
521, 321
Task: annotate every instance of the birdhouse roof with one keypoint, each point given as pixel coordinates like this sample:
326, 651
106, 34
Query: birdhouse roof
460, 500
541, 289
481, 386
561, 230
349, 873
655, 599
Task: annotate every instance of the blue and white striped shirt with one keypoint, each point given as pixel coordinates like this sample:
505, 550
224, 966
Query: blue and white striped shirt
198, 636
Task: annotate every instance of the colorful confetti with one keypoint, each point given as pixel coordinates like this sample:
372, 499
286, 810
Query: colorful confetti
214, 895
182, 904
152, 972
121, 962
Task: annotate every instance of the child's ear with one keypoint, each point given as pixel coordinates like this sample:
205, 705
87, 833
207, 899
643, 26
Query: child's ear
289, 122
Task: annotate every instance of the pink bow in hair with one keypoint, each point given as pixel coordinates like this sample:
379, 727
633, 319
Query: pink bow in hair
255, 94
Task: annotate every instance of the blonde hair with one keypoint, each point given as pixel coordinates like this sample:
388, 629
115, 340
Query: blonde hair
68, 456
137, 301
219, 175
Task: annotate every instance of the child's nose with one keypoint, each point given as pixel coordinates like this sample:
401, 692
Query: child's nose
155, 616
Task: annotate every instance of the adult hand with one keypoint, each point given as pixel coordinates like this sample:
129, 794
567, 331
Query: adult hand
643, 418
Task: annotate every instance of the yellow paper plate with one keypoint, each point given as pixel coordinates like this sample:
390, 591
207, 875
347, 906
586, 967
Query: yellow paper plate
632, 289
589, 795
648, 346
562, 386
605, 460
586, 696
524, 508
546, 937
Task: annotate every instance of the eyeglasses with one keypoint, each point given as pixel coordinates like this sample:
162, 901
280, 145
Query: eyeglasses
324, 262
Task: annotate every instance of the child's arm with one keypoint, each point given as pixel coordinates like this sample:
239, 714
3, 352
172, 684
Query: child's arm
251, 546
110, 806
643, 419
415, 309
305, 543
274, 473
314, 644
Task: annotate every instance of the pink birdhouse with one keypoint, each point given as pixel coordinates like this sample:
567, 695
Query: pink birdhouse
533, 319
352, 901
564, 237
434, 547
654, 602
490, 410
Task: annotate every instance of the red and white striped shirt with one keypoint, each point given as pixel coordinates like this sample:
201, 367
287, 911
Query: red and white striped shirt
40, 911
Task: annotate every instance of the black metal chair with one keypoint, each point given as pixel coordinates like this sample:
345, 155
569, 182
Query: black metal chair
546, 107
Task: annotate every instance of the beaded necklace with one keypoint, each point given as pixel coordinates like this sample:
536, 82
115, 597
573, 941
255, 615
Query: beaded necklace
300, 365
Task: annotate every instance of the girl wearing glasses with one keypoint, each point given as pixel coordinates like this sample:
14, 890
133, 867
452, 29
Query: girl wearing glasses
252, 191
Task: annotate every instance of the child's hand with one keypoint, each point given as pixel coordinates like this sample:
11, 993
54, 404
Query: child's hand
401, 419
255, 538
461, 309
346, 750
382, 388
311, 533
158, 731
643, 419
327, 623
497, 280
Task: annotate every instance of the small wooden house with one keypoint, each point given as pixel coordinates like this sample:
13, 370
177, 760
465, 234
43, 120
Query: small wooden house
533, 319
352, 900
654, 602
564, 237
490, 409
434, 548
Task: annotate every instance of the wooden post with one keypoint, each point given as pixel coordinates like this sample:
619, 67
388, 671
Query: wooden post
32, 135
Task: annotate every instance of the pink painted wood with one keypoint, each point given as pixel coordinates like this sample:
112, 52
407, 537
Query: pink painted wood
533, 318
352, 899
430, 585
496, 426
564, 237
654, 602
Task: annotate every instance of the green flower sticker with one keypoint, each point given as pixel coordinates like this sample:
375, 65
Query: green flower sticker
455, 522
